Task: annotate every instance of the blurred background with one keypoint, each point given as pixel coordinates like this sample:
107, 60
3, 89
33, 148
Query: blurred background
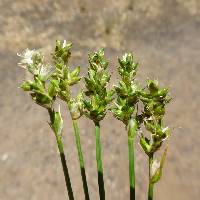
165, 38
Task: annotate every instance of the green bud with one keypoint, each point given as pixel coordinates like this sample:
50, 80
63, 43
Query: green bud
97, 60
145, 144
26, 86
42, 99
127, 68
62, 52
153, 86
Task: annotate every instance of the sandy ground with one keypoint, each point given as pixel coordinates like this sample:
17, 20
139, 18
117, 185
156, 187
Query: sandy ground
164, 36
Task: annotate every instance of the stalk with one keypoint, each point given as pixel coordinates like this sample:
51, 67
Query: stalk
131, 168
99, 162
65, 168
132, 128
151, 185
81, 159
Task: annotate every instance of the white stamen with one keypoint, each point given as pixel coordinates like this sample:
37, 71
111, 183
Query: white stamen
26, 58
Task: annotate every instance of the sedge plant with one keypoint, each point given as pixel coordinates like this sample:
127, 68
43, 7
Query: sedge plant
43, 92
64, 78
51, 83
97, 99
154, 100
127, 93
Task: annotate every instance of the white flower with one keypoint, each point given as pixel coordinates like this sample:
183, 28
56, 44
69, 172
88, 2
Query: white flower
26, 58
154, 167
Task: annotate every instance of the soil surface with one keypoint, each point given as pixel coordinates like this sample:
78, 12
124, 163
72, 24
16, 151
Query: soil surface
165, 38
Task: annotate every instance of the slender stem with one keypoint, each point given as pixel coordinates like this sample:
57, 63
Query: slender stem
81, 159
132, 129
131, 168
150, 190
99, 162
65, 168
62, 155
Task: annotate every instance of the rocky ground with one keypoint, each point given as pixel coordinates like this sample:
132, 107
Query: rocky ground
164, 36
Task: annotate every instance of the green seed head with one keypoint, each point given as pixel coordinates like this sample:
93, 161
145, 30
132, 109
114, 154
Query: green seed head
154, 100
62, 76
127, 68
127, 91
98, 97
65, 78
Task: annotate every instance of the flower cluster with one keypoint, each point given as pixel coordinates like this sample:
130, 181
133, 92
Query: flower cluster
41, 91
96, 84
51, 82
64, 78
127, 91
154, 100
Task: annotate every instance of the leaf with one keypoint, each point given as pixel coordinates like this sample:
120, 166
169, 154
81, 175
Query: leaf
56, 122
156, 168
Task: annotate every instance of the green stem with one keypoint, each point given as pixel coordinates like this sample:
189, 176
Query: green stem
99, 162
65, 168
150, 190
131, 168
132, 129
81, 159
